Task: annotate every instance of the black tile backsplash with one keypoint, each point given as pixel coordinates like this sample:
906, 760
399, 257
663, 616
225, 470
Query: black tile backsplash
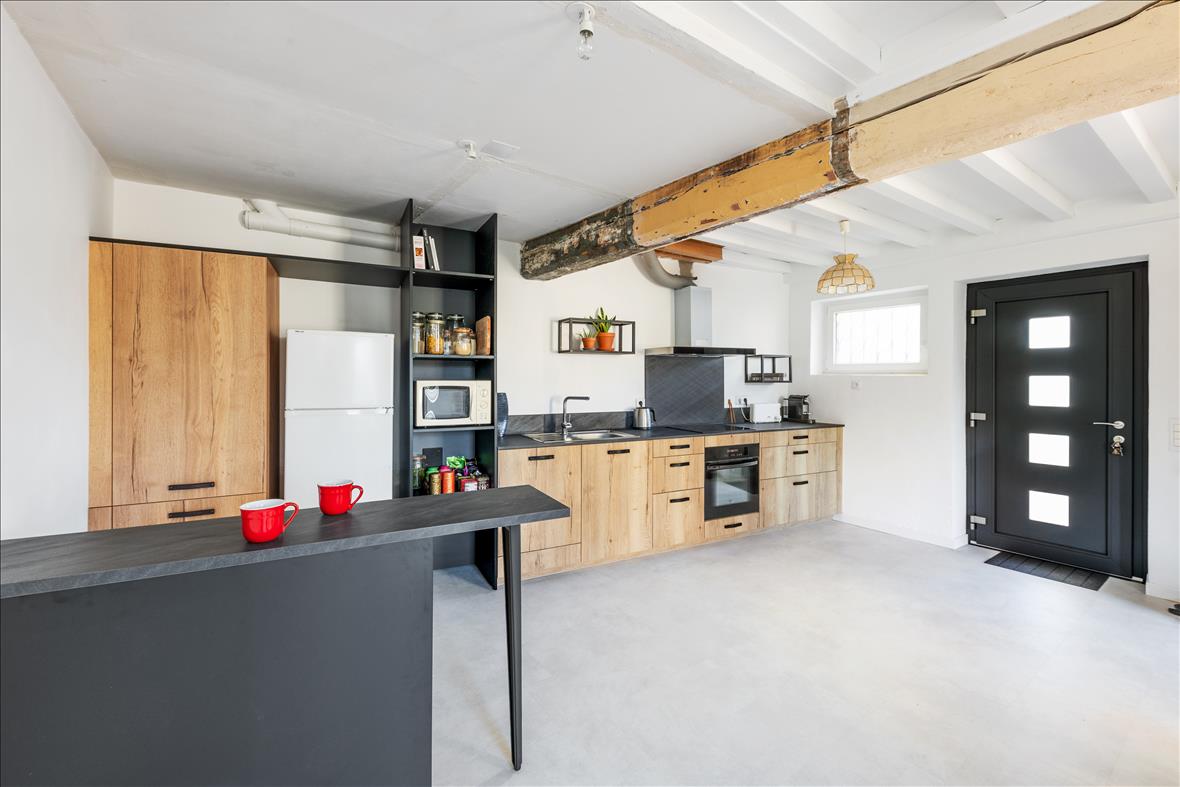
551, 422
685, 390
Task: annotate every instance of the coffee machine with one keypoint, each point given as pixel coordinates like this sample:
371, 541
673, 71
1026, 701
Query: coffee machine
797, 408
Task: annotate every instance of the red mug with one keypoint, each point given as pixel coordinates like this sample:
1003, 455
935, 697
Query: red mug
262, 520
336, 498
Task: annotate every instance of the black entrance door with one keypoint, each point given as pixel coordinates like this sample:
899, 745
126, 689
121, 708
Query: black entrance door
1056, 379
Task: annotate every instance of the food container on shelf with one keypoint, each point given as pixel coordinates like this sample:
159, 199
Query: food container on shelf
463, 341
434, 333
417, 333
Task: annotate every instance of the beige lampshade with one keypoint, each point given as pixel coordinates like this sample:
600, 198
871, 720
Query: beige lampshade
846, 276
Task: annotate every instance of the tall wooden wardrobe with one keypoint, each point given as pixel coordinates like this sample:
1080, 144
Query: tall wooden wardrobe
183, 384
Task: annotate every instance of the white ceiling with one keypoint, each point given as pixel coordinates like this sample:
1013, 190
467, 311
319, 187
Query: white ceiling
351, 107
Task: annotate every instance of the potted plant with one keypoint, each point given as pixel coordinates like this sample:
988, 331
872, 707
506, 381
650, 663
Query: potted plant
589, 337
603, 324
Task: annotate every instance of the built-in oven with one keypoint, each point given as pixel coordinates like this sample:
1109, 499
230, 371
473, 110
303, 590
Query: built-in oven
452, 403
731, 480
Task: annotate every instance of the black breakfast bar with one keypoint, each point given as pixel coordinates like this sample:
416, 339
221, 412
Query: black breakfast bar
180, 654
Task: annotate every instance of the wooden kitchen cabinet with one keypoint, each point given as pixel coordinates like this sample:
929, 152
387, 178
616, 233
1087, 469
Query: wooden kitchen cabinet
178, 511
555, 471
677, 447
784, 460
677, 518
793, 499
799, 436
616, 499
716, 529
193, 354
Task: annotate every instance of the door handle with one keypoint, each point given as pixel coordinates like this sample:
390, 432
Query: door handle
542, 458
680, 500
197, 485
679, 464
198, 512
1115, 424
732, 525
619, 451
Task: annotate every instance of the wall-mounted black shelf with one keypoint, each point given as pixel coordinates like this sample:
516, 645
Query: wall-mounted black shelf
768, 369
418, 357
567, 342
454, 280
445, 429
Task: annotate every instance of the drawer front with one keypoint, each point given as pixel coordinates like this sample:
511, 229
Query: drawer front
544, 561
793, 499
733, 526
673, 473
677, 447
214, 507
551, 533
98, 518
800, 436
713, 441
785, 460
145, 514
678, 518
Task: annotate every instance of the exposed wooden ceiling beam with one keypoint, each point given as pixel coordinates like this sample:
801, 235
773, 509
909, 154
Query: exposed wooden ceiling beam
692, 250
836, 208
680, 16
1120, 65
1013, 176
1125, 137
905, 190
822, 33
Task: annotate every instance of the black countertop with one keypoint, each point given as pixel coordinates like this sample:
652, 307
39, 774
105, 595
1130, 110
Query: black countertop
511, 441
51, 563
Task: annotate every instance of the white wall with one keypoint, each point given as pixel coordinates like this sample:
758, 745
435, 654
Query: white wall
749, 308
55, 191
904, 448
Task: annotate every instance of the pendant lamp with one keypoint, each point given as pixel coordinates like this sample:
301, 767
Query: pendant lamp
847, 275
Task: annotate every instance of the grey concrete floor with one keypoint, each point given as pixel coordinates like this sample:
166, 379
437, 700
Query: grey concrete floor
820, 654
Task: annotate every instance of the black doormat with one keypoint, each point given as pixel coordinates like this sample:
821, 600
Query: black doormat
1079, 577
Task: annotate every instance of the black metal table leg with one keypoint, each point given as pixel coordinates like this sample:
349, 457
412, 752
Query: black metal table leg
512, 617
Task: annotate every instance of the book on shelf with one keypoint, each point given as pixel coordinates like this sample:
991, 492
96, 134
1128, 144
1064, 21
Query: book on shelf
419, 253
432, 261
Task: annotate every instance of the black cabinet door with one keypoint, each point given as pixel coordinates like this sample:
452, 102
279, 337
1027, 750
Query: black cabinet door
1054, 368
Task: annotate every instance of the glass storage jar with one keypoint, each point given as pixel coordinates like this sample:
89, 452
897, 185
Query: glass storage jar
434, 334
418, 333
463, 341
454, 323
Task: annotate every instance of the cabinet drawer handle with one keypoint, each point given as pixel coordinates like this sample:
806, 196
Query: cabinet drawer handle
799, 483
544, 458
679, 447
680, 464
198, 512
197, 485
680, 500
620, 451
732, 525
796, 453
799, 437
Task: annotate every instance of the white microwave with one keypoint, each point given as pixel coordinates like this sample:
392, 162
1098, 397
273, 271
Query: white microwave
452, 402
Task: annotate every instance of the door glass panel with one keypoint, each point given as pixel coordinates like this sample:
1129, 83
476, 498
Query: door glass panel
1048, 390
1048, 449
1048, 508
1045, 332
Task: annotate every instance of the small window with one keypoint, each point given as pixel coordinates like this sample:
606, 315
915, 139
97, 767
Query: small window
877, 334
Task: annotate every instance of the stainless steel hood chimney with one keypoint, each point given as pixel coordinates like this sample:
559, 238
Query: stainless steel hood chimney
693, 330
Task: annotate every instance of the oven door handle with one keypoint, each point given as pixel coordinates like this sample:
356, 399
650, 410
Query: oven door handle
725, 464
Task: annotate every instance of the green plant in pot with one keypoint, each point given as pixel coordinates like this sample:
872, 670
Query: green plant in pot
603, 324
589, 338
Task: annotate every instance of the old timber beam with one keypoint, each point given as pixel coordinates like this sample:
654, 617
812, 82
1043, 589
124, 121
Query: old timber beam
1114, 56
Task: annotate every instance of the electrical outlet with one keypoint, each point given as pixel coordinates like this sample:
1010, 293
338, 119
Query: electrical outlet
1175, 425
854, 384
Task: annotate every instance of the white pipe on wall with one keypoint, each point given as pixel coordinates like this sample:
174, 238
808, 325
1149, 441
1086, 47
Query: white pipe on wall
267, 216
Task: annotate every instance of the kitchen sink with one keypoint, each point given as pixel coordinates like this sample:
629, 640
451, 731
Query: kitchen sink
598, 434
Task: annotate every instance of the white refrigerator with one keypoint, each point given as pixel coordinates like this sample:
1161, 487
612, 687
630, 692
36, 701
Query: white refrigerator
338, 416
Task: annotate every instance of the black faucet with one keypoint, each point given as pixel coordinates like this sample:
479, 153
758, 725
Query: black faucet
565, 419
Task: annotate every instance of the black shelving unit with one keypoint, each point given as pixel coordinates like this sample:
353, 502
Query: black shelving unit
466, 284
567, 342
767, 369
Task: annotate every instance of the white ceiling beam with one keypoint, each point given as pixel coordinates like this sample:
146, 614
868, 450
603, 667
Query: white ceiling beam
808, 235
1013, 7
905, 190
822, 33
1013, 176
1125, 137
836, 208
679, 16
761, 246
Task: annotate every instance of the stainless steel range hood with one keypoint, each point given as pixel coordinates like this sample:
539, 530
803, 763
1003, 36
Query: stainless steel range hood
693, 330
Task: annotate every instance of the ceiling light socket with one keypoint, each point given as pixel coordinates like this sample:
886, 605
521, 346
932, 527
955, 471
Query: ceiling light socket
584, 14
468, 147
